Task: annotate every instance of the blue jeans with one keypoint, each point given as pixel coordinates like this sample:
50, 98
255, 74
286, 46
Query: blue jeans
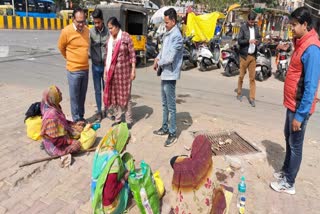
78, 84
97, 74
294, 144
168, 93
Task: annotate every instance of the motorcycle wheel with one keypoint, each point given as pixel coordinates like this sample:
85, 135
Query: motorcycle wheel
138, 61
219, 65
227, 71
195, 64
184, 66
269, 73
283, 75
259, 76
202, 66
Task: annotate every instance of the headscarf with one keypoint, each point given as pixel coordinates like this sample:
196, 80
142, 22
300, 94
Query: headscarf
190, 173
51, 98
50, 106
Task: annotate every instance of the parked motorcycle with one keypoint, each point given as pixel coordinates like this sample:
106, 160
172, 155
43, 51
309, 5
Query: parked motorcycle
282, 60
263, 63
209, 56
230, 60
152, 49
189, 54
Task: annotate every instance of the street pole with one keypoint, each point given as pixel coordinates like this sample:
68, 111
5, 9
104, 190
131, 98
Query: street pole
26, 8
14, 11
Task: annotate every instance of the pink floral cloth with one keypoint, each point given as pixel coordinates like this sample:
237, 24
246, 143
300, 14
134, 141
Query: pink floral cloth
196, 201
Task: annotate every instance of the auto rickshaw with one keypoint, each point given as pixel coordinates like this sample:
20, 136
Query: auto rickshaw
66, 14
6, 10
133, 20
89, 17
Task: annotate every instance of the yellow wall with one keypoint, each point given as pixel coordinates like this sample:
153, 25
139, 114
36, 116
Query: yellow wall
32, 23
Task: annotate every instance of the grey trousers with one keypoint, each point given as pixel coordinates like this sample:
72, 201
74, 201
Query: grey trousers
78, 84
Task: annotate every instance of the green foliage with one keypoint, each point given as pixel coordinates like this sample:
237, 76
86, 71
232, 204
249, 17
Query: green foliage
216, 5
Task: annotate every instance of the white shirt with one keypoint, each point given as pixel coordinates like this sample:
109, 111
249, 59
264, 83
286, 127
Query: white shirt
252, 46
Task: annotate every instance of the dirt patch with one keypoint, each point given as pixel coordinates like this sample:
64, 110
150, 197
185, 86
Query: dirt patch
221, 176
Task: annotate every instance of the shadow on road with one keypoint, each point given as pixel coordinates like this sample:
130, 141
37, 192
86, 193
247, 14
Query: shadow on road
245, 92
275, 154
141, 112
184, 121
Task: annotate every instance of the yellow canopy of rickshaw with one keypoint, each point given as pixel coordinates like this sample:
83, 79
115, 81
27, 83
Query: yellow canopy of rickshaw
234, 6
202, 26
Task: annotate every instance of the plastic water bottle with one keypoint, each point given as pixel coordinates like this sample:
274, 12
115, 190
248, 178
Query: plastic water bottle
143, 167
242, 205
145, 201
96, 126
241, 193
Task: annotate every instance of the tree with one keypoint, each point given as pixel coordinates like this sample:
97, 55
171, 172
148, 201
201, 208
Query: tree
218, 5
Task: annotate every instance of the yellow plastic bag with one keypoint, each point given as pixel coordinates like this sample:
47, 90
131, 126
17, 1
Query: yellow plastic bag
159, 183
34, 127
87, 138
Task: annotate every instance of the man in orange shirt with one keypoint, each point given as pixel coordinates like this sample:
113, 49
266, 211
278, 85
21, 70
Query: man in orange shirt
74, 45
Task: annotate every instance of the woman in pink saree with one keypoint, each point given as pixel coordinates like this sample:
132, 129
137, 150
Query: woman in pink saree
59, 135
120, 71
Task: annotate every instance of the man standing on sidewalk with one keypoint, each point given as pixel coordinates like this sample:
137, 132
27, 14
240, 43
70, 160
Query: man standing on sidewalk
300, 96
74, 46
169, 61
98, 38
248, 40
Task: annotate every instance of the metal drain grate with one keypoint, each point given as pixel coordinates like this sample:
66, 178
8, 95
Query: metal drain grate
228, 143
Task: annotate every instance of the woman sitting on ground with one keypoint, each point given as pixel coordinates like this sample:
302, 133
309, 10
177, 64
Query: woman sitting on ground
109, 188
193, 178
59, 135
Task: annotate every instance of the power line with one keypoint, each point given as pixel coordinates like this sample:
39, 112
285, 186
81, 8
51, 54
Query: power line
311, 7
313, 3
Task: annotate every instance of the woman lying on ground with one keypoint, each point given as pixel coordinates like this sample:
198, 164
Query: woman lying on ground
59, 135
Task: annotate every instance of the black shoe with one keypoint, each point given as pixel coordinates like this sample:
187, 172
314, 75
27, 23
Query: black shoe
99, 116
160, 132
116, 123
172, 139
109, 115
129, 125
239, 97
252, 103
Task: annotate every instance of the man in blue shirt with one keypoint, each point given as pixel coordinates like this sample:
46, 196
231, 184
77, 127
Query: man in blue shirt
300, 96
169, 61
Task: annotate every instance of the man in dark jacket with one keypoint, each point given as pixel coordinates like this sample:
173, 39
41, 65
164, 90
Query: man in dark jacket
98, 37
248, 40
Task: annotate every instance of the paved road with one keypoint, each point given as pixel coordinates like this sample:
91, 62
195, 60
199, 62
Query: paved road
214, 92
33, 63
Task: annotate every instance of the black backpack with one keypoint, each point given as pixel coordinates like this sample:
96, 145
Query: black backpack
33, 110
